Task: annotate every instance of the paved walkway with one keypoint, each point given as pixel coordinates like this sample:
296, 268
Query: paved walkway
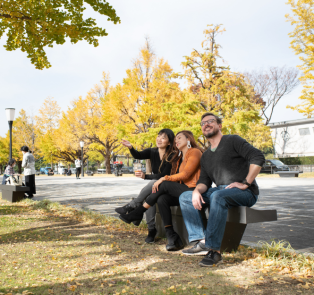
292, 197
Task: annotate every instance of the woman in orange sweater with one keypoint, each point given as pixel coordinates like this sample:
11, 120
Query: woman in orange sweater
166, 191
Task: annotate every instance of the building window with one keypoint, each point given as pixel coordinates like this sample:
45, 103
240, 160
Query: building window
304, 131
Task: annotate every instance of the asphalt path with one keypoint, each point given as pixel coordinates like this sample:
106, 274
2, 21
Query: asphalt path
293, 198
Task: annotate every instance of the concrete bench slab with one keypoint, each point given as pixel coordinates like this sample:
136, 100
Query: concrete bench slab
13, 193
237, 220
288, 173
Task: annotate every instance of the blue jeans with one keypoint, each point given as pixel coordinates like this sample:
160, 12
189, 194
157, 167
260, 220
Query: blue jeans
4, 178
219, 200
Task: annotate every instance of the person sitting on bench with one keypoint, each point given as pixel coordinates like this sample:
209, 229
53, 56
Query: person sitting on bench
160, 158
184, 176
9, 171
232, 164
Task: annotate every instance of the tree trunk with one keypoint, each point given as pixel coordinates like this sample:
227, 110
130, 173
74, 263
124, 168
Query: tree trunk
128, 157
108, 168
19, 165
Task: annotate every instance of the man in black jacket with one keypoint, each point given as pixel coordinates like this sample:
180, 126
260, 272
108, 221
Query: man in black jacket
232, 164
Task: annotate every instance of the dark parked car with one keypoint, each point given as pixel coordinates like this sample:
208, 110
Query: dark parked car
90, 173
127, 170
272, 166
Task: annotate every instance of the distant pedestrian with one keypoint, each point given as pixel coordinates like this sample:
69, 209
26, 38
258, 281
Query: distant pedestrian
28, 164
69, 173
9, 170
78, 165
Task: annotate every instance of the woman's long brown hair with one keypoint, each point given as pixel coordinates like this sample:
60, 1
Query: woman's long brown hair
189, 135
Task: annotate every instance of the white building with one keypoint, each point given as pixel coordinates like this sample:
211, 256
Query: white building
293, 138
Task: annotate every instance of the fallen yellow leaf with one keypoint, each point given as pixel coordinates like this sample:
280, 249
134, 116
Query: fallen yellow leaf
72, 288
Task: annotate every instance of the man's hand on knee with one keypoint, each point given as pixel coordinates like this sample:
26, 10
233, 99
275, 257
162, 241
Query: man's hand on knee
197, 200
238, 185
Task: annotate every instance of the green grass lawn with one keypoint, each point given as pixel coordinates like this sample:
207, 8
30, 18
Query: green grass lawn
47, 248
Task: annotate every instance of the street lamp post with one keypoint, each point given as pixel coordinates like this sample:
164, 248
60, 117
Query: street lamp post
10, 112
82, 145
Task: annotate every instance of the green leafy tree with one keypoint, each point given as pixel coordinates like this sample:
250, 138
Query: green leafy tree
33, 25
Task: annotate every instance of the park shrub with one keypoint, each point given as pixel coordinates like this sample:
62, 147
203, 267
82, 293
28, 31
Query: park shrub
298, 160
292, 160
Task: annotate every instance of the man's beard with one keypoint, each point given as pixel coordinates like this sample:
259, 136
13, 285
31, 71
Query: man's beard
211, 134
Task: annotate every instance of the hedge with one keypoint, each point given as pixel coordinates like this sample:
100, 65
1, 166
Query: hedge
298, 160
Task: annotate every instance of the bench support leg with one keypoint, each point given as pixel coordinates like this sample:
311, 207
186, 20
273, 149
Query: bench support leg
12, 196
230, 242
232, 236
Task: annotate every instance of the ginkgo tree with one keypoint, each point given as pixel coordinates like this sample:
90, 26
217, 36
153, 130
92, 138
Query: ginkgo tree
134, 106
34, 25
213, 87
302, 36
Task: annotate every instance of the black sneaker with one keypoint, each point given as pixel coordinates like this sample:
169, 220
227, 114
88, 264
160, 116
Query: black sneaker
198, 249
125, 209
212, 258
151, 236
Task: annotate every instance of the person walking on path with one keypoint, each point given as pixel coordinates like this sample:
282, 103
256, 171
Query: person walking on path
78, 165
9, 170
160, 158
28, 164
166, 191
232, 164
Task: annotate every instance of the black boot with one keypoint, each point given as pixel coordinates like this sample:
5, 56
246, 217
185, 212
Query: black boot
125, 209
174, 241
151, 236
135, 215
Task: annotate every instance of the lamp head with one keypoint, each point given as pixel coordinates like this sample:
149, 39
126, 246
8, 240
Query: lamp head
10, 112
82, 144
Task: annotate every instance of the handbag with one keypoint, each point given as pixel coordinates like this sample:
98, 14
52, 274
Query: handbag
14, 180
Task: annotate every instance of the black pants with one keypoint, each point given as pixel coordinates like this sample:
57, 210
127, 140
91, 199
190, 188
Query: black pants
30, 182
168, 195
78, 172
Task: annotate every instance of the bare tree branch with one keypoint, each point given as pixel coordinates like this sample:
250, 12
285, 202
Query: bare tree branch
271, 85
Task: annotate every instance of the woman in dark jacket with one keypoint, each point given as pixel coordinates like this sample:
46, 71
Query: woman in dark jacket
160, 158
166, 191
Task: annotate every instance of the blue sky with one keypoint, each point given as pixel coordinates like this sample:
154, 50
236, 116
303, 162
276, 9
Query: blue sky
256, 37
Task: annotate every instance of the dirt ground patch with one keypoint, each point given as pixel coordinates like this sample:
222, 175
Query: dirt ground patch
53, 250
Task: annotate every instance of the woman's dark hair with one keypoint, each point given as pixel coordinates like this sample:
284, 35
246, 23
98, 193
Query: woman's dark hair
24, 148
11, 162
189, 135
170, 147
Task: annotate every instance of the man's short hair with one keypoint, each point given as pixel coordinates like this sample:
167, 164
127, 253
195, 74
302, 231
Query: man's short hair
219, 120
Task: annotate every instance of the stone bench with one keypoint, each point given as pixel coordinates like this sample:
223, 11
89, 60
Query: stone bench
288, 173
13, 193
238, 218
